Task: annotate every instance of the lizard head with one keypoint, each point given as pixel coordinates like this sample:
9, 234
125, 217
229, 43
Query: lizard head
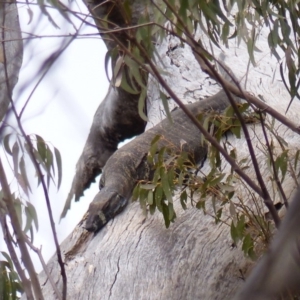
105, 206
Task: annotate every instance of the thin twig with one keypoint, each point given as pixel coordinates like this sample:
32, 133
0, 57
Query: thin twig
45, 268
46, 67
278, 183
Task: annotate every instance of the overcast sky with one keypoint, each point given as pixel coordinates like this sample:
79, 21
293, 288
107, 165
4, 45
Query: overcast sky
62, 107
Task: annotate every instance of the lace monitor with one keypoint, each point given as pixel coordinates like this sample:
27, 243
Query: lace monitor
129, 164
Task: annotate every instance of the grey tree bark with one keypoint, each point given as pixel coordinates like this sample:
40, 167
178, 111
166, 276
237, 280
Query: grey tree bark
136, 257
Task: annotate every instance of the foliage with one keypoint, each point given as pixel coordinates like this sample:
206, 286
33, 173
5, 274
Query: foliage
20, 152
176, 176
22, 149
10, 284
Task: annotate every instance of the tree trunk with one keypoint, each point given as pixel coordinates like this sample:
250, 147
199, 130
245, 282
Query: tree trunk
11, 53
136, 257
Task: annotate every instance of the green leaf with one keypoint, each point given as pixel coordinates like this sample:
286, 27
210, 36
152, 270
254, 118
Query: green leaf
143, 195
148, 186
225, 34
156, 176
274, 34
165, 212
296, 159
150, 197
218, 215
236, 129
241, 226
201, 205
7, 257
166, 188
161, 156
136, 192
158, 194
166, 105
248, 247
152, 208
33, 214
156, 139
15, 155
232, 212
250, 47
46, 13
127, 10
18, 208
49, 164
216, 180
24, 174
134, 69
153, 149
284, 164
209, 12
171, 177
28, 220
6, 144
22, 183
59, 166
183, 199
49, 159
234, 233
41, 147
172, 214
141, 105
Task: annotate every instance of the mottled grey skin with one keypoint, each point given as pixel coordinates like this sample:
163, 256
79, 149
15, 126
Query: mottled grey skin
115, 120
129, 164
117, 117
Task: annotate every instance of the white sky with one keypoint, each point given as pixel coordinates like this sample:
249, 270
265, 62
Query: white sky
60, 110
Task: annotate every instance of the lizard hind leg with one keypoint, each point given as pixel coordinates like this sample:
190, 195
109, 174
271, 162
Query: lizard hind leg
105, 206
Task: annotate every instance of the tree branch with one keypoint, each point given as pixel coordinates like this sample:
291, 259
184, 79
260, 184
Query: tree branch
279, 186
